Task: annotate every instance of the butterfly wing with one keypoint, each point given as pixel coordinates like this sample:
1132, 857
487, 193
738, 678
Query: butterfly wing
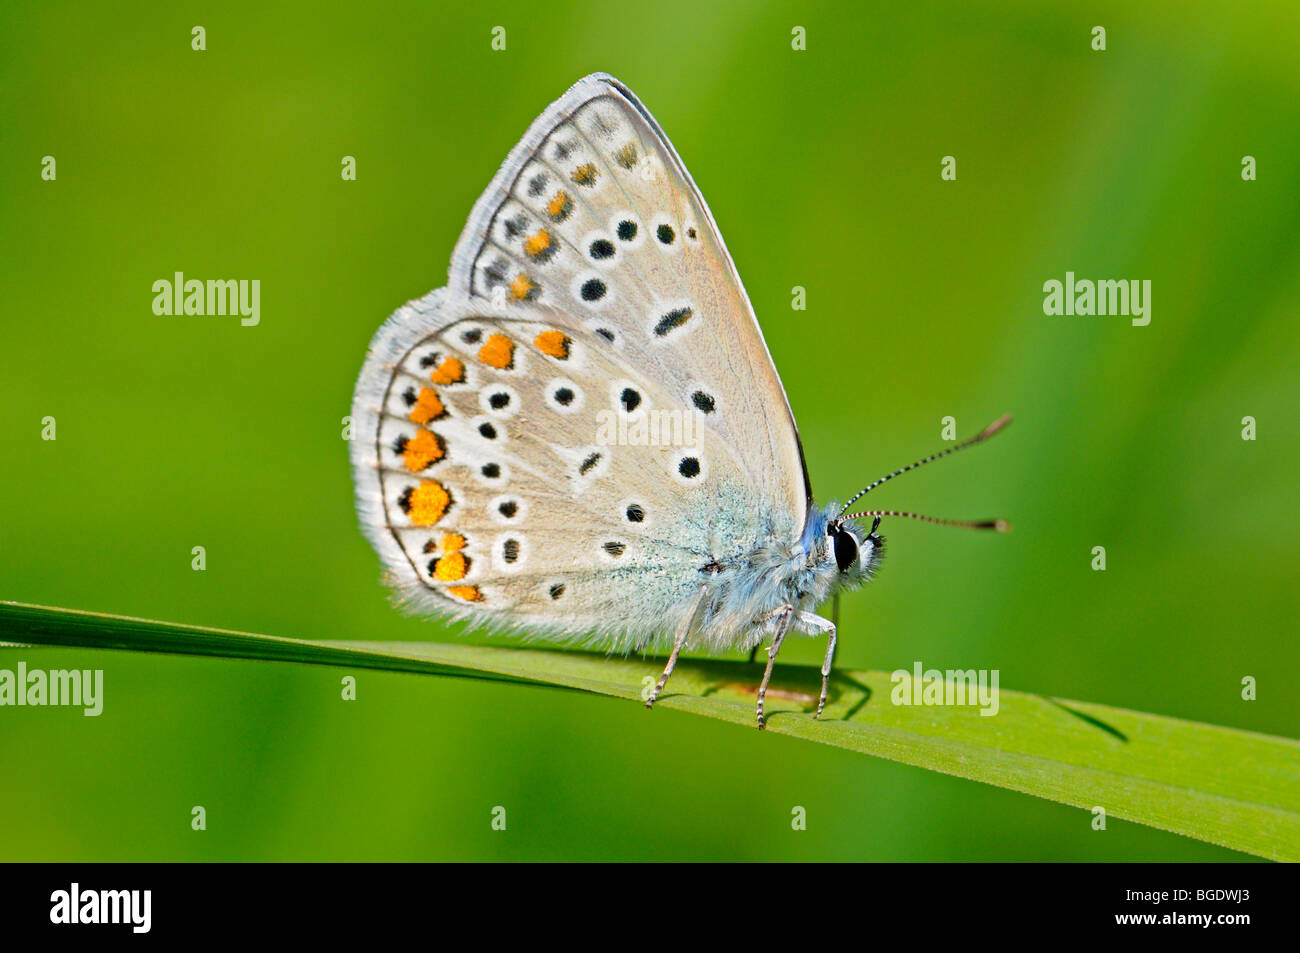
594, 213
587, 416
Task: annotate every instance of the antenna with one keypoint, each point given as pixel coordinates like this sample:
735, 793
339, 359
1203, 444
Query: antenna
1002, 526
980, 437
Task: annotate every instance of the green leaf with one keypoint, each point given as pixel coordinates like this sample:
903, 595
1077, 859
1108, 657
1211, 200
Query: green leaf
1229, 787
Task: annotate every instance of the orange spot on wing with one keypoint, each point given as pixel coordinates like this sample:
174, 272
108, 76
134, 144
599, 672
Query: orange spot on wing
427, 407
452, 542
498, 352
553, 343
468, 593
522, 288
451, 567
559, 207
626, 156
450, 371
428, 502
421, 450
538, 244
584, 174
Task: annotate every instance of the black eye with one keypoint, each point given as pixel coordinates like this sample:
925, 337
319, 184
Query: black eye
846, 549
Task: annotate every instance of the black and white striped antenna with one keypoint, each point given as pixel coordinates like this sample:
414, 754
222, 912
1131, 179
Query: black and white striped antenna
1000, 525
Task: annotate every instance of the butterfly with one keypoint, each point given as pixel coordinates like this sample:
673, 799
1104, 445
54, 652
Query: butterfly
583, 436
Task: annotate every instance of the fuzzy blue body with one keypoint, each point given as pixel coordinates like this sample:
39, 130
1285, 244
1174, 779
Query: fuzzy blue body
744, 593
591, 284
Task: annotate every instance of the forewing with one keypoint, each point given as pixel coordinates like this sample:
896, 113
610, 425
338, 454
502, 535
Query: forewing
594, 214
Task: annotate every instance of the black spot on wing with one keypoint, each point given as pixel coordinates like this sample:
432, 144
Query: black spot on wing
673, 320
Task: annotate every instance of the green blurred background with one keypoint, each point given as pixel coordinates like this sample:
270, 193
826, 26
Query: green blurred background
822, 168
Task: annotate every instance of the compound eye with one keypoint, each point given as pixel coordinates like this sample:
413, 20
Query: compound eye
846, 549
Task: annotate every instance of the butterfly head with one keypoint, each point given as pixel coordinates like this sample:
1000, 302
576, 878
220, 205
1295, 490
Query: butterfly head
856, 551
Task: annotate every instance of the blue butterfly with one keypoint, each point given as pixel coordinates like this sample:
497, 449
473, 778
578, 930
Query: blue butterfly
582, 436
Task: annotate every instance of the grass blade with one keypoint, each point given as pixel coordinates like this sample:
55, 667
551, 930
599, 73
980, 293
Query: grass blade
1229, 787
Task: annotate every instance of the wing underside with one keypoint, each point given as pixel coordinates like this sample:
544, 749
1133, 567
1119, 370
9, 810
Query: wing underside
587, 415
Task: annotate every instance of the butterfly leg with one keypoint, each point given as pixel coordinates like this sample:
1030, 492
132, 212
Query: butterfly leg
677, 649
787, 617
814, 624
770, 621
830, 653
830, 658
